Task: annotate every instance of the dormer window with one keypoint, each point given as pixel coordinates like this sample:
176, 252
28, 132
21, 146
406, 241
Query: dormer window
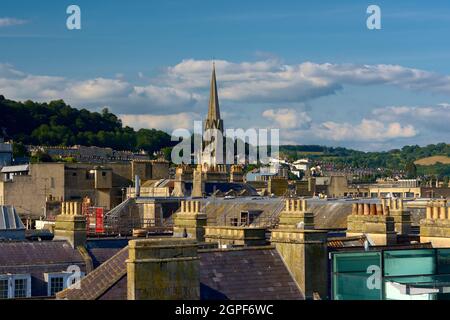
59, 281
15, 286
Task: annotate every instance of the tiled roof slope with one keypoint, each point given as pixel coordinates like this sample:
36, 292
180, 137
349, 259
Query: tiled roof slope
16, 253
246, 274
100, 279
36, 259
101, 250
236, 274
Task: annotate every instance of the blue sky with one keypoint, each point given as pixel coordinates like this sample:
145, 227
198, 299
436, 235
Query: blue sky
310, 68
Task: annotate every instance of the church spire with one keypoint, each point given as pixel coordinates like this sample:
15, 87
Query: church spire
213, 109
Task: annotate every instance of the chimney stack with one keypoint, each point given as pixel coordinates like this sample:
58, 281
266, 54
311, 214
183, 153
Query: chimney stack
435, 228
374, 221
70, 225
163, 269
402, 217
303, 249
198, 183
190, 221
296, 215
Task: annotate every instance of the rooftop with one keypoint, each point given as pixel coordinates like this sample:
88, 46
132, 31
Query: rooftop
222, 273
9, 219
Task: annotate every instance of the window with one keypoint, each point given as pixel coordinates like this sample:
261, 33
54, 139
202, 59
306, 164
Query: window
15, 286
20, 288
103, 174
56, 285
59, 281
4, 288
351, 273
409, 262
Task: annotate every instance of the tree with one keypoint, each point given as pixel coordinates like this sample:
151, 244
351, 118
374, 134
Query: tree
19, 150
40, 156
58, 124
410, 170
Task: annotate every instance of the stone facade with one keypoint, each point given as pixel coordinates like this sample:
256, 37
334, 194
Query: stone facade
163, 269
198, 184
71, 224
183, 173
190, 222
305, 254
303, 249
59, 182
374, 221
239, 236
295, 215
277, 186
236, 174
151, 169
435, 228
305, 188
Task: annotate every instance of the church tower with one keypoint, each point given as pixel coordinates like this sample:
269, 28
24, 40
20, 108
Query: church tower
212, 123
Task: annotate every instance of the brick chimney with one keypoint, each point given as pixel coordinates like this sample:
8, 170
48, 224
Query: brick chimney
70, 225
303, 249
163, 269
435, 228
190, 222
374, 221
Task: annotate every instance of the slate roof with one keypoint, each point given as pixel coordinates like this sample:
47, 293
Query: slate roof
17, 253
224, 187
256, 273
37, 258
100, 250
98, 281
222, 274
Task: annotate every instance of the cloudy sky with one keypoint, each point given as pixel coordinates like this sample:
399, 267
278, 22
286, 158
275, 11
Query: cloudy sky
312, 70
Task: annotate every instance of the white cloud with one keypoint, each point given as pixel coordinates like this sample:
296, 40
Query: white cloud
8, 22
431, 118
366, 130
98, 89
166, 97
121, 95
164, 122
247, 91
273, 81
286, 118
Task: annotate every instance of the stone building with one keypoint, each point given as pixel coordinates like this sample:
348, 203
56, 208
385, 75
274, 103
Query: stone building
209, 176
91, 154
36, 188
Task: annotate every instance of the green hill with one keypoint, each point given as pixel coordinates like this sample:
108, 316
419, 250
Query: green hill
56, 123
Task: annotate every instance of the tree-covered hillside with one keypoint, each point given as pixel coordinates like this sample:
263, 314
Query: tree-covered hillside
393, 159
56, 123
